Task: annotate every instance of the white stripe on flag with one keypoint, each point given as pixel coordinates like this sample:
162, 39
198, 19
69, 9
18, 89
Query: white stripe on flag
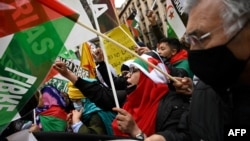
5, 41
78, 35
175, 22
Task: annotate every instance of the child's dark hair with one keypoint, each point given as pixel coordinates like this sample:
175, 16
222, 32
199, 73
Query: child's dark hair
172, 42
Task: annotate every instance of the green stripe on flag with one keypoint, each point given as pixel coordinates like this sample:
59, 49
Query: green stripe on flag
51, 123
170, 31
175, 17
25, 63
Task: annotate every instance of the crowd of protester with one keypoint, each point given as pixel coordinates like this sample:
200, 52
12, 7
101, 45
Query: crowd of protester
207, 94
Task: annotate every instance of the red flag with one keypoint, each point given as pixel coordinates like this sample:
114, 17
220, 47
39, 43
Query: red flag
25, 14
27, 55
51, 74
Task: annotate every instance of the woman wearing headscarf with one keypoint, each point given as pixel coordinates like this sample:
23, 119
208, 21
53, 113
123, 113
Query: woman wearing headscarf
148, 105
50, 112
150, 86
87, 117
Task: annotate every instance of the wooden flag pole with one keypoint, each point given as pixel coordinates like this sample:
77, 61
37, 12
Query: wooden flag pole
128, 50
104, 53
153, 5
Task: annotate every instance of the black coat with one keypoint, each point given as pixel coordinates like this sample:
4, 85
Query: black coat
214, 112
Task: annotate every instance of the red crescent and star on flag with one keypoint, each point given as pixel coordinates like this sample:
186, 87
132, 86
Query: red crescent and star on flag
170, 11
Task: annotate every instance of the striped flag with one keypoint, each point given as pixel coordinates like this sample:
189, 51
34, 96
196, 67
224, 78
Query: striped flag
54, 78
78, 31
176, 19
151, 72
108, 20
104, 14
31, 35
133, 23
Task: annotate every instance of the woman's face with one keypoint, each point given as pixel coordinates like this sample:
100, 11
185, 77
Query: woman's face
165, 50
133, 76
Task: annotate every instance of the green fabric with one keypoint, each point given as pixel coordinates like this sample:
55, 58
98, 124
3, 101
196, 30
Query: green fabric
93, 125
106, 116
26, 58
183, 64
170, 31
52, 123
149, 71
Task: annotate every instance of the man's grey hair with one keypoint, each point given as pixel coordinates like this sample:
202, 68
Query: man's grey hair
234, 12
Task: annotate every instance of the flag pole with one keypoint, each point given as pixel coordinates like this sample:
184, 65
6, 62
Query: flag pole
129, 36
125, 48
153, 5
104, 54
118, 44
34, 116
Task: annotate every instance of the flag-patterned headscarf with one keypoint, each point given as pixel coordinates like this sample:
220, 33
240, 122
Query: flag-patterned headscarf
142, 103
52, 97
149, 71
52, 116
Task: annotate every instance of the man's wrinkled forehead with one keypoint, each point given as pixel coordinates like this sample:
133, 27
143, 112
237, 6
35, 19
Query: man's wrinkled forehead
203, 4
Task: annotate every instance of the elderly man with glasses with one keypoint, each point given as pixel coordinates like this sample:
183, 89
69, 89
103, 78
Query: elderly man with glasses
218, 33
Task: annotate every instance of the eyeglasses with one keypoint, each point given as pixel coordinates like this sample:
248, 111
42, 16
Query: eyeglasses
124, 73
133, 70
194, 40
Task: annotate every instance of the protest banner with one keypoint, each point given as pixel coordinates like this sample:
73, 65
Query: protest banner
116, 55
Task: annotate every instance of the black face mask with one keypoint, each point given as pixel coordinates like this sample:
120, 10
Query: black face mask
165, 60
131, 89
217, 66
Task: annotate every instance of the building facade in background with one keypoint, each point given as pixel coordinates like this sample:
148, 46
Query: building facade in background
144, 27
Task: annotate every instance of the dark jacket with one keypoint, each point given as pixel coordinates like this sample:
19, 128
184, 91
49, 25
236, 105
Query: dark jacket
158, 33
214, 112
206, 114
173, 109
169, 112
119, 81
94, 125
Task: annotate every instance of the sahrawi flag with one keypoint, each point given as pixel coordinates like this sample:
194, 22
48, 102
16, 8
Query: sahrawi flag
31, 36
150, 71
133, 23
176, 19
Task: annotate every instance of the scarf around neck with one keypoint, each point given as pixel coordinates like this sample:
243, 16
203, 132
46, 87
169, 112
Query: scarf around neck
142, 104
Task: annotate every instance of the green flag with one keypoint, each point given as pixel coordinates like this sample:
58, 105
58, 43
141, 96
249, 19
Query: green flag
32, 35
